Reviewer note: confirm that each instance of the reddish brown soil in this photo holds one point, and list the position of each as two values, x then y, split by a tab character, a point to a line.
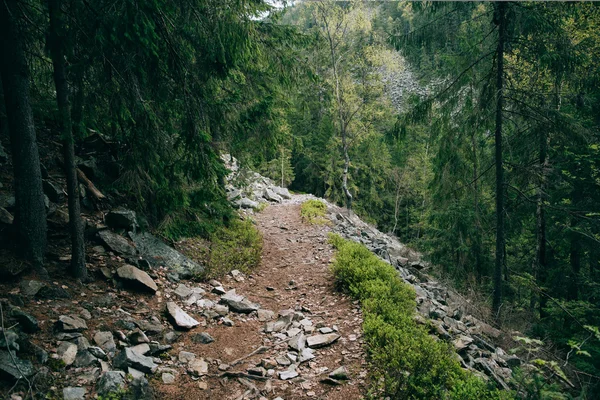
293	251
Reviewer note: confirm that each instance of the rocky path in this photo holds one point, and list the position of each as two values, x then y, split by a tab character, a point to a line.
295	283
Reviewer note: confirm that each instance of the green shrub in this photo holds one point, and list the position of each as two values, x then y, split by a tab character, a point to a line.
406	362
313	211
237	246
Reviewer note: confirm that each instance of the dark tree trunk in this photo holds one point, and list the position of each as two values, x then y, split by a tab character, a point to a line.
501	22
78	268
30	215
575	248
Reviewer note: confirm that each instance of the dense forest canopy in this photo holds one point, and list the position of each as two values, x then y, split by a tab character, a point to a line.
468	129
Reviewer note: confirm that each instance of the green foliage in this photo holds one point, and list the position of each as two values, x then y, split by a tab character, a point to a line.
118	395
406	362
313	212
237	246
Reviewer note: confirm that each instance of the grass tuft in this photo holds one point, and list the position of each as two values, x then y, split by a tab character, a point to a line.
313	212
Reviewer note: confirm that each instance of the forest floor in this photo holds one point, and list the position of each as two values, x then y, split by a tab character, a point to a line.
293	274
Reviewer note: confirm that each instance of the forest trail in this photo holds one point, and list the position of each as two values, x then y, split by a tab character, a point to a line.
293	274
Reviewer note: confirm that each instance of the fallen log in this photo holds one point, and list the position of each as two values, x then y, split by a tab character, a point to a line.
90	185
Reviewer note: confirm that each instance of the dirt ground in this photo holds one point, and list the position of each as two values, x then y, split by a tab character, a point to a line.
294	274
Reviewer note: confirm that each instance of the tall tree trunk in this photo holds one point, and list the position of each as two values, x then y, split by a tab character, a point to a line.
30	216
575	247
501	22
539	260
478	231
78	268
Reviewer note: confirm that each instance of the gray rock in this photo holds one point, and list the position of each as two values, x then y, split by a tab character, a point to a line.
183	291
198	367
110	382
203	338
121	218
67	352
238	303
306	354
138	277
298	342
462	342
283	361
54	193
340	373
9	340
71	323
271	195
85	359
141	390
6	217
129	358
226	321
246	203
105	341
98	353
186	357
137	337
141	349
74	393
7	365
288	374
317	341
30	288
116	243
283	192
157	349
168	378
179	317
135	373
265	315
221	309
52	292
158	253
150	328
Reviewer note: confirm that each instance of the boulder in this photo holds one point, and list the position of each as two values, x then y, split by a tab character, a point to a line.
110	382
179	317
340	373
246	203
6	217
203	338
271	195
141	390
22	367
138	277
106	342
27	321
74	393
283	192
117	243
158	253
67	352
121	218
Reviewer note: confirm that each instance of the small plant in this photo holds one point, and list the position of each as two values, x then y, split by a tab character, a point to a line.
261	207
313	212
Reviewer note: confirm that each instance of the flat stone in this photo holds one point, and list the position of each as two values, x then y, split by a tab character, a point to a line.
186	357
238	303
167	378
306	354
325	330
288	374
105	341
135	373
283	361
129	358
84	359
137	337
221	309
121	218
137	276
109	382
183	291
30	288
117	243
98	352
297	342
293	332
74	393
67	352
317	341
7	365
265	315
203	338
198	367
180	318
141	349
462	342
71	323
27	321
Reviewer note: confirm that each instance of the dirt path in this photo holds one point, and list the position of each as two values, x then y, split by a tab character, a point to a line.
294	274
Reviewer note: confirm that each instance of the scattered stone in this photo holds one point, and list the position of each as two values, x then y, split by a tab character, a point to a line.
226	321
137	337
141	349
30	288
128	358
462	342
135	373
140	278
221	309
288	374
141	389
203	338
105	341
257	371
158	253
325	330
238	303
265	315
158	349
71	323
340	373
283	361
198	367
84	359
246	203
306	354
180	318
27	321
22	367
317	341
168	378
121	218
74	393
98	352
116	243
183	291
297	342
109	382
67	352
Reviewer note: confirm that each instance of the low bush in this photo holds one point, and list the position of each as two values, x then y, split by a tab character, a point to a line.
237	246
406	362
313	211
